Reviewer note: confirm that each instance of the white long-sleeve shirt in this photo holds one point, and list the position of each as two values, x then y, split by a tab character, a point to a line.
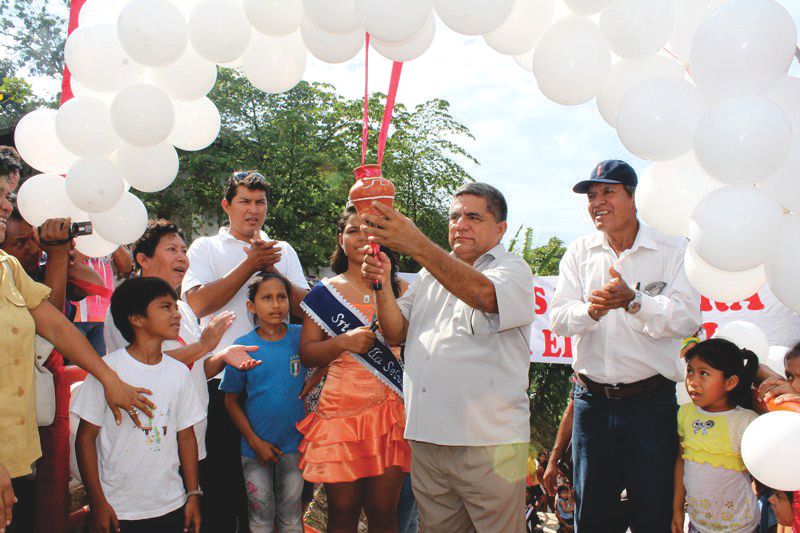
623	347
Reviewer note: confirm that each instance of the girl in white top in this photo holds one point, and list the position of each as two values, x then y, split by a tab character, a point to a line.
710	476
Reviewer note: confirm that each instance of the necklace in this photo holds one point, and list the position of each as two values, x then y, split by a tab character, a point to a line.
366	298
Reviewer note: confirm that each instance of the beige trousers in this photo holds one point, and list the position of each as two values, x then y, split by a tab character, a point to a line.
469	488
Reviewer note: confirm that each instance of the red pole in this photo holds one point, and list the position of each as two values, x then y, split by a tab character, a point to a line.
74	9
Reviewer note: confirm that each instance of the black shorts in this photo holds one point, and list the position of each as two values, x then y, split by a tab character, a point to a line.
534	491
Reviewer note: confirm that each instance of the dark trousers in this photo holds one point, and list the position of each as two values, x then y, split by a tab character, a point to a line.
624	444
24	510
224	505
168	523
93	331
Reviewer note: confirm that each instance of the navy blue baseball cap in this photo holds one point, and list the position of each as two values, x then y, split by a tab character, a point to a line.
611	171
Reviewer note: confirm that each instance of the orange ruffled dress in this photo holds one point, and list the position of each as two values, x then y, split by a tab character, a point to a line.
357	429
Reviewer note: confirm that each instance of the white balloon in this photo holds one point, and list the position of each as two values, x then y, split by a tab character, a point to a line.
720	285
782	267
775	359
94	184
148	169
275	64
657	118
636	29
786	94
668	192
80	90
185	6
124	223
523	28
94	246
197	124
743	139
330	47
689	14
335	16
274	17
83	126
626	73
410	49
474	17
743	47
766	443
571	62
586	7
95	57
43	196
153	32
100	12
784	185
745	335
219	30
142	115
189	78
736	227
393	21
525	60
38	144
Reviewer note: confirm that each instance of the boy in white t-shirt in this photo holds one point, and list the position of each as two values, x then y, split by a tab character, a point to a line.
131	475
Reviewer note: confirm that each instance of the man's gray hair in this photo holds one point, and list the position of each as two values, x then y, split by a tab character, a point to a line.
495	201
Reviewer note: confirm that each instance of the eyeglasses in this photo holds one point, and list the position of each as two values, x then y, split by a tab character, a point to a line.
239	176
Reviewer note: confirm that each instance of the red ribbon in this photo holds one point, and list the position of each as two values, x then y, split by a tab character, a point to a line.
74	9
391	96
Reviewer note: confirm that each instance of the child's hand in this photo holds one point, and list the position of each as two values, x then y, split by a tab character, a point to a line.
773	387
239	356
786	398
357	340
677	522
312	381
266	452
191	514
215	329
103	518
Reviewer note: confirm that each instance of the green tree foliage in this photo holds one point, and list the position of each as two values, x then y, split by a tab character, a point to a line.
549	383
306	142
33	32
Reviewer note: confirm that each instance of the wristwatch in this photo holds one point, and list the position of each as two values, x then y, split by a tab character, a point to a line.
197	492
635	304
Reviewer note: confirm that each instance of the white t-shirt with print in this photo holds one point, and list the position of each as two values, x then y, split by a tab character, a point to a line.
189	334
211	258
139	468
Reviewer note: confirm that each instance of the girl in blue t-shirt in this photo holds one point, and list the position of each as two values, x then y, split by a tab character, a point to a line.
265	405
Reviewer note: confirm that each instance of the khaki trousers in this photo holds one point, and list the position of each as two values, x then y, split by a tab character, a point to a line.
469	488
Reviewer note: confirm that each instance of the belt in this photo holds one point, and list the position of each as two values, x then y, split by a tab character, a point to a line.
625	390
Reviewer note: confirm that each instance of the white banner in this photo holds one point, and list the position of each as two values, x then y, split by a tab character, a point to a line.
781	324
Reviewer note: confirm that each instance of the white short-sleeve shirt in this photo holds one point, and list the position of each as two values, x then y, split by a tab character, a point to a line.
211	258
139	468
466	371
189	334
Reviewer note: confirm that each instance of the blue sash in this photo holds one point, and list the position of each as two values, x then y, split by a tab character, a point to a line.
335	316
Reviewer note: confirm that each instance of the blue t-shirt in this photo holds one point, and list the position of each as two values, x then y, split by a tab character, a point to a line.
272	405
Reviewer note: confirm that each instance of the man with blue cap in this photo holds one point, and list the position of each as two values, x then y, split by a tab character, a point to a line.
624	298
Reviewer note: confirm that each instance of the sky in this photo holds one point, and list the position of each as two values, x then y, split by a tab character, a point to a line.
530	148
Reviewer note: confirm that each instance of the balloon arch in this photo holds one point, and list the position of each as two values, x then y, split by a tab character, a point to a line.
700	87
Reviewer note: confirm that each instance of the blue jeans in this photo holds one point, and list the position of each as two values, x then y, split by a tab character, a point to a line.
274	491
624	444
407	514
93	331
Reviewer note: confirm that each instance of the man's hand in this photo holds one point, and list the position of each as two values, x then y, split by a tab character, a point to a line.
262	255
120	395
215	329
54	230
266	452
596	313
393	230
238	356
7	498
191	512
103	518
616	294
550	477
791	397
771	388
376	269
357	340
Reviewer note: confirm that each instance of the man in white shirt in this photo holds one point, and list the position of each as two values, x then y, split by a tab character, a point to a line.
220	268
466	324
623	296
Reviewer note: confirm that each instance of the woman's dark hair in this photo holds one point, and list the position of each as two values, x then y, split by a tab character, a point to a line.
339	259
725	356
132	298
148	242
261	277
793	352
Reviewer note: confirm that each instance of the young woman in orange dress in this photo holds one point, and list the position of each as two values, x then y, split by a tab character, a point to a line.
353	442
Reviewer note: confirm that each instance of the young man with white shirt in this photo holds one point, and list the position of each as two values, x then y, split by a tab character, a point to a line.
623	297
466	324
220	267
